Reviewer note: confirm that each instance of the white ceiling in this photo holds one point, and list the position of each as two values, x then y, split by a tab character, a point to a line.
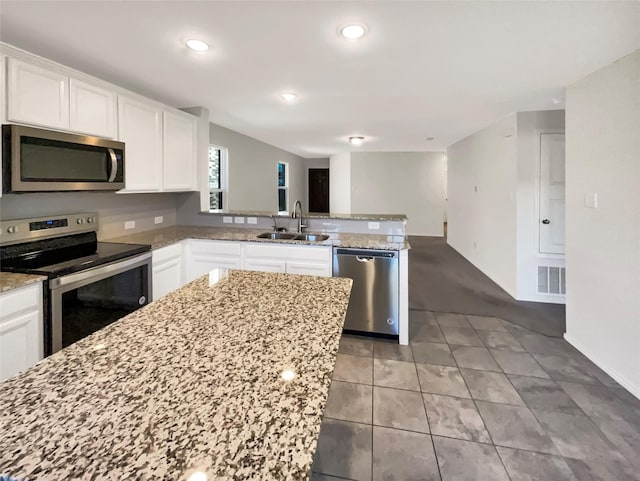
425	69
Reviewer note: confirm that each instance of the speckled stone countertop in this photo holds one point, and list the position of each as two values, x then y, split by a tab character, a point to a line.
168	235
190	383
13	280
313	215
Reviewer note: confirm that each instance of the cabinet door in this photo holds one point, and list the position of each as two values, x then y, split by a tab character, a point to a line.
21	339
36	95
92	109
167	277
179	151
140	128
264	265
322	269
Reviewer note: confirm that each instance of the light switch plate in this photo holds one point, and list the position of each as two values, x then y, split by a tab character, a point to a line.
158	220
227	220
591	200
252	220
130	224
374	225
239	220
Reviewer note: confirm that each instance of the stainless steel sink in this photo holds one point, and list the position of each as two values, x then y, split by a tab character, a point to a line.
276	235
311	237
291	236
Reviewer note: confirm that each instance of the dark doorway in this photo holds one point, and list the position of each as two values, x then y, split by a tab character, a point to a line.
319	190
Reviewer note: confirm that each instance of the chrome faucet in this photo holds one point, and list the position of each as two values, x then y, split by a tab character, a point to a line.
297	214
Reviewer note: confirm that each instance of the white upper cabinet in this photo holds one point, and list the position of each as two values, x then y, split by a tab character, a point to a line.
179	151
37	95
140	128
92	109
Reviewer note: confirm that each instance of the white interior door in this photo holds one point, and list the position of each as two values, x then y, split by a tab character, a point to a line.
552	204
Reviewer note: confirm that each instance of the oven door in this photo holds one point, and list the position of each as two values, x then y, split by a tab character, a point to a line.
86	301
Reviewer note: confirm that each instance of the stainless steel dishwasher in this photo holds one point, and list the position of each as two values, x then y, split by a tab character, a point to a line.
373	305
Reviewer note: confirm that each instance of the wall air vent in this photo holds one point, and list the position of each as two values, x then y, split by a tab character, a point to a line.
551	280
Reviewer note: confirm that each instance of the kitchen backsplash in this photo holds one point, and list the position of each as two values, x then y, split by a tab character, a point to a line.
113	209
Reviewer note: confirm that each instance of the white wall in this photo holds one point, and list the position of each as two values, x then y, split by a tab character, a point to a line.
481	211
603	244
408	183
529	127
253	177
253	174
340	184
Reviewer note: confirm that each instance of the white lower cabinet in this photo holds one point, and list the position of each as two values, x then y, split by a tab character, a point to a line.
21	337
167	270
180	263
202	256
292	259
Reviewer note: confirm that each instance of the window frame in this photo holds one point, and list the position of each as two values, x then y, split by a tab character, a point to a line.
224	176
284	188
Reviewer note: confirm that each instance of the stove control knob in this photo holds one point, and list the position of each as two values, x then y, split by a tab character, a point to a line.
12	229
80	221
91	220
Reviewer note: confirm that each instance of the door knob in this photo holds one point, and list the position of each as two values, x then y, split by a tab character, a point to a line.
546	221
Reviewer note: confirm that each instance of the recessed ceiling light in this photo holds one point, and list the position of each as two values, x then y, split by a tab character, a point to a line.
197	45
356	140
353	31
288	96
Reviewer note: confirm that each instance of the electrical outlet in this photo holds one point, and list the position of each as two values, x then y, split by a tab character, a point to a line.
227	220
158	220
130	224
374	225
239	220
252	220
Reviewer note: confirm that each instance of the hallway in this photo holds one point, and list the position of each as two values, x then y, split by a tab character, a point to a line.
441	280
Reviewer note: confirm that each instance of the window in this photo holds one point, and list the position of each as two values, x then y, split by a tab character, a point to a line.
217	177
283	184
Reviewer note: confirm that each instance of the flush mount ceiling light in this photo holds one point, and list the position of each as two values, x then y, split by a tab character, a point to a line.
197	45
356	140
288	96
353	31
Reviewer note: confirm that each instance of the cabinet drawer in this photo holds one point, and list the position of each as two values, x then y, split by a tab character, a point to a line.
197	246
288	252
167	253
21	299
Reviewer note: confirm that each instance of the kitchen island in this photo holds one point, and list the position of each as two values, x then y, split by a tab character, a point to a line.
217	380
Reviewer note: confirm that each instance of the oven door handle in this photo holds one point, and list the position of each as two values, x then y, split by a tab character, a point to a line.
98	273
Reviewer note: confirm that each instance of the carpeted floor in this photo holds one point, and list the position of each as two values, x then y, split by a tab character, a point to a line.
442	280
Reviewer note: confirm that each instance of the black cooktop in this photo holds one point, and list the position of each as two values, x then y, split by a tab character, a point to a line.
64	255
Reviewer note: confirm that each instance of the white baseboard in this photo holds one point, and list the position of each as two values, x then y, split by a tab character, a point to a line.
619	378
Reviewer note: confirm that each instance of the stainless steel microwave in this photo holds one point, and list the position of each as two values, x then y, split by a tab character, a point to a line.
38	160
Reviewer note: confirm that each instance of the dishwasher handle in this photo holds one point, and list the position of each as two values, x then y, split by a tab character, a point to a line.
365	259
365	254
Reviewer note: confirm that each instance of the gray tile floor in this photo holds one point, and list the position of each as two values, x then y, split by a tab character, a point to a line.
474	399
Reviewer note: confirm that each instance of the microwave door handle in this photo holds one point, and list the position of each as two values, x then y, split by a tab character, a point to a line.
114	165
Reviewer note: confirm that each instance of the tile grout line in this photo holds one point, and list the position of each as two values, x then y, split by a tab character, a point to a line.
426	413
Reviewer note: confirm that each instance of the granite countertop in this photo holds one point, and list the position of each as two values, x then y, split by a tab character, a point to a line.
12	280
314	215
190	383
165	236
